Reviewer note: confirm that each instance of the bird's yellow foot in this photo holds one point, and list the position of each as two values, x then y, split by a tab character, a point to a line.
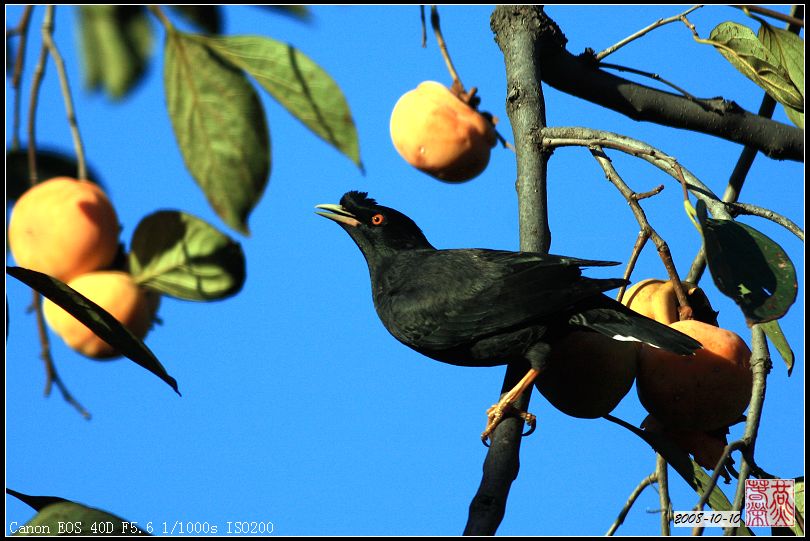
497	412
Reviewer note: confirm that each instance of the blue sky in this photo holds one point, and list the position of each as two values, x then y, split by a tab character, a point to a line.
298	407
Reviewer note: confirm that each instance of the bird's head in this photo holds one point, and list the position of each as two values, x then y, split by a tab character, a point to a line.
377	230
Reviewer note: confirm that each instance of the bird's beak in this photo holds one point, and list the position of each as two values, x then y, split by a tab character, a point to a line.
338	214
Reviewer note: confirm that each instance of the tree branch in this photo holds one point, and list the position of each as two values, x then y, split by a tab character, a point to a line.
586	137
662	473
580	76
515	29
647	481
760	366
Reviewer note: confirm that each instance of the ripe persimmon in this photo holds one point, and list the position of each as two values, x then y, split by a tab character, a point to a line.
657	300
704	391
588	374
118	294
63	227
441	135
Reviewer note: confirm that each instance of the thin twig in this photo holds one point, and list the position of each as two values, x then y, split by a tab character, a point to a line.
36	83
51	375
643	31
737	209
662	472
773	14
647	230
647	481
47	40
434	22
719	469
20	30
760	366
653	76
638	246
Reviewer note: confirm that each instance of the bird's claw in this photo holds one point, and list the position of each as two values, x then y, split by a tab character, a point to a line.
495	415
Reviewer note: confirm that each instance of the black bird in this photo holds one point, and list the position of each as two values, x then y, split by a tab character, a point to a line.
480	307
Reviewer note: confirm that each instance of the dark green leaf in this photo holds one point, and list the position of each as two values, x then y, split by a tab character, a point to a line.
116	42
774	333
37	503
220	126
50	164
740	46
301	13
298	83
58	516
205	18
95	318
749	267
183	256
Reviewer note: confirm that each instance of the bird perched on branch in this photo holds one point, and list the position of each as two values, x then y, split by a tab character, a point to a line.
480	307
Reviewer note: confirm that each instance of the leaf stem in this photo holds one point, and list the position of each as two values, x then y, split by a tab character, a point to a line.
164	20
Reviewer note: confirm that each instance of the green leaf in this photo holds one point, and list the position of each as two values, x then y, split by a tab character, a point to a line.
95	318
740	46
220	126
205	18
749	267
115	42
298	83
795	116
774	333
58	516
50	164
789	49
182	256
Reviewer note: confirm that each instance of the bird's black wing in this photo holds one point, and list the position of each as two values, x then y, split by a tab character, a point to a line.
447	298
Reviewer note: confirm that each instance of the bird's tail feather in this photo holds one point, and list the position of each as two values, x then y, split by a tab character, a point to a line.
615	320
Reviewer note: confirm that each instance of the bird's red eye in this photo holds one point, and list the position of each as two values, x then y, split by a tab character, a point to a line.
377	219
